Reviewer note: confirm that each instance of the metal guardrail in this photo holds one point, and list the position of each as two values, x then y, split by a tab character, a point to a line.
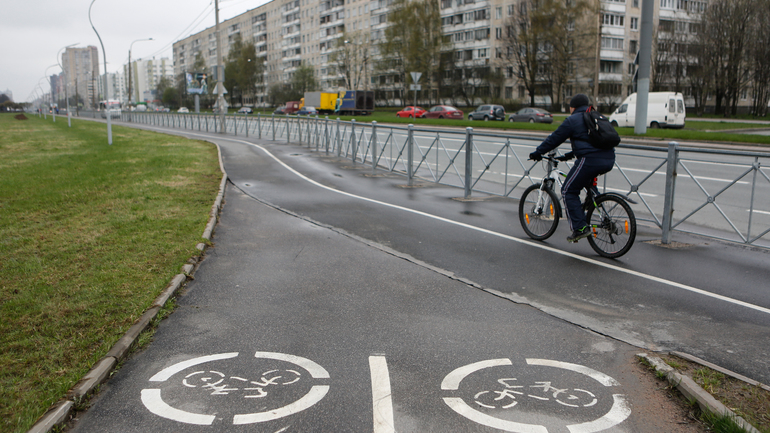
721	193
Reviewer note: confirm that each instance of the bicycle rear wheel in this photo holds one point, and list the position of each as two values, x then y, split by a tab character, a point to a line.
539	214
613	226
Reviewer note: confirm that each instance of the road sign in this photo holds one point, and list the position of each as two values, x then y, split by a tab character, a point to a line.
416	76
415	87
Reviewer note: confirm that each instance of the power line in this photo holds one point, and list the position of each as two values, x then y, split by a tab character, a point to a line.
203	15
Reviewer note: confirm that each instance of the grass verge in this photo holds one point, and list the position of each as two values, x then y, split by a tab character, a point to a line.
89	235
752	403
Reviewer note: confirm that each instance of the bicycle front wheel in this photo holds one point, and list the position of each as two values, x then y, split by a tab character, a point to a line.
613	226
539	212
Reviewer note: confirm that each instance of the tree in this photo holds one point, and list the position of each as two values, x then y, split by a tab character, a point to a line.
759	58
303	81
165	92
350	57
414	41
243	69
546	41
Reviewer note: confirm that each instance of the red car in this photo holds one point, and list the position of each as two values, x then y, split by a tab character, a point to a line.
444	112
409	112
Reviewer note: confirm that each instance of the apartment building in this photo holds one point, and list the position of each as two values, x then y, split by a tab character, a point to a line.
81	71
288	33
145	76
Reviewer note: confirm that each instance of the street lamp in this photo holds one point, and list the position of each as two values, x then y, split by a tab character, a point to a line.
50	86
106	94
66	85
129	66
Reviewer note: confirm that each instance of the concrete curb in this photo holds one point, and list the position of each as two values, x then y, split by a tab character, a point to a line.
693	391
61	412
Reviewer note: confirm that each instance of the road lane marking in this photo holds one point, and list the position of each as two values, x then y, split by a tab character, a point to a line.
382	398
508	237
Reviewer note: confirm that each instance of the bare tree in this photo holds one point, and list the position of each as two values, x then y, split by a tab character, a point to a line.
759	58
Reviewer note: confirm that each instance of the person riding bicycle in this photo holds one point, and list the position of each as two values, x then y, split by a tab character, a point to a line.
590	163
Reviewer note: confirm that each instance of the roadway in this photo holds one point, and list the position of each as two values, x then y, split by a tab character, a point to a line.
402	304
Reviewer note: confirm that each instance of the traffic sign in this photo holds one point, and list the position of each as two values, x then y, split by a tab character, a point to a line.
415	87
416	76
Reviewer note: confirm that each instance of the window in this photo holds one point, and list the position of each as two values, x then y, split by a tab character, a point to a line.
612	43
482	54
667	4
498	33
521	92
499	13
609	67
509	93
633	47
634	23
511	9
613	20
636	3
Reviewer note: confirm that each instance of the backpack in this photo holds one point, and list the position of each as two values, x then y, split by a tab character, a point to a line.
601	134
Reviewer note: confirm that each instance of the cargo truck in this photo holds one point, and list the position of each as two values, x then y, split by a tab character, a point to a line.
664	110
352	102
323	102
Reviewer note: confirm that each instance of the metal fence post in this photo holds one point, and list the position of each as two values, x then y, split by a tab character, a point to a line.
259	126
326	133
668	204
246	117
273	120
288	129
353	147
409	152
337	138
299	128
468	160
374	147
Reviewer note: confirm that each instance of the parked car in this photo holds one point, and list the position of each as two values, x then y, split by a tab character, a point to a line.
279	110
531	115
182	110
412	112
444	112
488	112
245	110
307	111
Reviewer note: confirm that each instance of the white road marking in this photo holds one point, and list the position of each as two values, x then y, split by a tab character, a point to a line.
314	369
313	396
590	372
167	372
618	413
511	238
462	408
382	399
685	176
759	211
452	380
155	404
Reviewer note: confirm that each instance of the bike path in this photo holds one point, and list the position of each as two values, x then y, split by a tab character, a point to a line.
291	325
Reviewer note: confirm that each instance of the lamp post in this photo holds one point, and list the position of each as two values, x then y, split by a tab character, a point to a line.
66	85
106	94
50	86
129	66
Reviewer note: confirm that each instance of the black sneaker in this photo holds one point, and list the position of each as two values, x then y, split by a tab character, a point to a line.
579	234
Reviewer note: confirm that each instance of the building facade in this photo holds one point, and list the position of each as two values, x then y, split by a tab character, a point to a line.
81	71
145	76
290	33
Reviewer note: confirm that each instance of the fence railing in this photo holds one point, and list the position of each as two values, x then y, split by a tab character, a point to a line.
721	194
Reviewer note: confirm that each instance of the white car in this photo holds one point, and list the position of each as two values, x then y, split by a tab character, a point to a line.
183	110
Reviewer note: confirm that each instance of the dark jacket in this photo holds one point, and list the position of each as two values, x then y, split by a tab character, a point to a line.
574	129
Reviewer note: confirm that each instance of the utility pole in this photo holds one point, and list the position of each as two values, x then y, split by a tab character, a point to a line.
220	73
645	60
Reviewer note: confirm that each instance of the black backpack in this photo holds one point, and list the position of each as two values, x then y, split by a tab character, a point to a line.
601	134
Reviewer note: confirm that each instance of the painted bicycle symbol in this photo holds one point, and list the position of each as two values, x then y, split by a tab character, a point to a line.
220	384
543	391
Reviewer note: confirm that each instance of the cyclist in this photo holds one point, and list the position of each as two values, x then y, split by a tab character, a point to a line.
590	163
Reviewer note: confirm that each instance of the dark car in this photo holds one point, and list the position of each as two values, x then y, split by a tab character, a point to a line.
488	112
245	110
444	112
279	110
531	115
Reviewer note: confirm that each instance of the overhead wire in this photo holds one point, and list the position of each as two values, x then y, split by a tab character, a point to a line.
203	15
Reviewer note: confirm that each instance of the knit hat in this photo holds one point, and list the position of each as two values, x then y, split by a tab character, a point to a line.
579	100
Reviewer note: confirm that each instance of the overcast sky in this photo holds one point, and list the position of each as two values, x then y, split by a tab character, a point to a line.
33	31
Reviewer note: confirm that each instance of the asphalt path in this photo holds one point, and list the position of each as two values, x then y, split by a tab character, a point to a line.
362	297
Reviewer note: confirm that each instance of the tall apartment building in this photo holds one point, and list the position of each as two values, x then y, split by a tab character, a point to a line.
288	33
81	70
145	76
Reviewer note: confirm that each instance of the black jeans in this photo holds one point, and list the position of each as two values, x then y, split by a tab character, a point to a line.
579	177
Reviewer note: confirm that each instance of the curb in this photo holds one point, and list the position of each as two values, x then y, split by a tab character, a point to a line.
61	411
693	391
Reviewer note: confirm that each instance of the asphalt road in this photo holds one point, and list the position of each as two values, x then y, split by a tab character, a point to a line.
334	300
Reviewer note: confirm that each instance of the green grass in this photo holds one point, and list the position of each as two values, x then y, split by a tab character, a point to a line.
89	236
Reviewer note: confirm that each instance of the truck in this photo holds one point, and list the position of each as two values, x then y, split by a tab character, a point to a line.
324	102
664	110
291	107
352	102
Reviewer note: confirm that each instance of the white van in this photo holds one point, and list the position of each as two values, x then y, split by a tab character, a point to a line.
664	110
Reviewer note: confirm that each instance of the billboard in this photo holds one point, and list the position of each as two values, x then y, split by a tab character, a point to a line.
197	83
